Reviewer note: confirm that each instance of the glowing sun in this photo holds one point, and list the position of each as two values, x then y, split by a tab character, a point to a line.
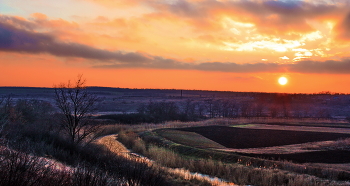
282	80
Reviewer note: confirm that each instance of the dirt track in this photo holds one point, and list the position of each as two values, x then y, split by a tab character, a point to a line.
115	146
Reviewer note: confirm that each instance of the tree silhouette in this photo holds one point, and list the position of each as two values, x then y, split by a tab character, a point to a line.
76	105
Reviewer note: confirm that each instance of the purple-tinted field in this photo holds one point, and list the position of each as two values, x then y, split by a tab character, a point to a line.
241	138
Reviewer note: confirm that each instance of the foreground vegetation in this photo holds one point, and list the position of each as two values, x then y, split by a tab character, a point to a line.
43	145
35	151
229	166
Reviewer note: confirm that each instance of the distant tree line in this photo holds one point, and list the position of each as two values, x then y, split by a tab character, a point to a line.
41	114
158	112
280	106
72	115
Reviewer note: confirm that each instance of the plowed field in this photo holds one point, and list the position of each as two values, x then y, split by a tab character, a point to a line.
241	138
244	138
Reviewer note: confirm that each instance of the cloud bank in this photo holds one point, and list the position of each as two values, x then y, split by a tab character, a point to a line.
19	40
22	36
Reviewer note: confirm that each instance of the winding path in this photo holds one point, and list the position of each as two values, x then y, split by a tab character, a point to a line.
115	146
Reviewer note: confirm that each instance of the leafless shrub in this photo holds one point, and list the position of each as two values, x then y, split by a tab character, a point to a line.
76	105
22	169
5	106
109	129
84	176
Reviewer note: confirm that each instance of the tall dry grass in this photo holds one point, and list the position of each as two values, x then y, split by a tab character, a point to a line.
116	128
236	173
178	176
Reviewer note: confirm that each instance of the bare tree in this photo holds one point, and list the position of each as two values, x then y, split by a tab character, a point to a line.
76	105
209	107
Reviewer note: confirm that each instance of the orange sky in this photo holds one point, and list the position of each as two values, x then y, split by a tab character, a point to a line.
229	45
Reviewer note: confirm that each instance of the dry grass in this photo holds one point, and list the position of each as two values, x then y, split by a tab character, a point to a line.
178	174
331	145
113	129
296	148
296	128
186	174
248	167
112	144
189	138
244	173
237	173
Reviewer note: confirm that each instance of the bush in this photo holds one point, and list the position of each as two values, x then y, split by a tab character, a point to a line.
92	162
21	169
134	118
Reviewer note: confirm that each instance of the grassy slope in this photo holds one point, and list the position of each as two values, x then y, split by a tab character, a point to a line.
188	138
179	176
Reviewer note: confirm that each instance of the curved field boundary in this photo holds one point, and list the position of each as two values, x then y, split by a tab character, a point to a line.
329	156
242	138
231	157
329	129
188	138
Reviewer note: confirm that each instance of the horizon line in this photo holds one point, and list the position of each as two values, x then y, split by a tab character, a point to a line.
319	93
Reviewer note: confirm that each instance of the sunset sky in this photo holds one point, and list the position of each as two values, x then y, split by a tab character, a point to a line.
229	45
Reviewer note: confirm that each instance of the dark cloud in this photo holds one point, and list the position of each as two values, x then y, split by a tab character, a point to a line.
20	40
18	22
327	67
5	38
343	28
295	9
268	16
162	63
185	8
234	67
278	17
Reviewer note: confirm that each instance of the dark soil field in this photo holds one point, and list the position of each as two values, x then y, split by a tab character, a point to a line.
241	138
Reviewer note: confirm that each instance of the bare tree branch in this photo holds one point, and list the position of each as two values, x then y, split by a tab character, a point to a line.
76	105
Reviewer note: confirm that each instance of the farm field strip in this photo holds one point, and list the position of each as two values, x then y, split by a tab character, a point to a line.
245	138
199	141
284	149
295	128
188	138
304	145
300	168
